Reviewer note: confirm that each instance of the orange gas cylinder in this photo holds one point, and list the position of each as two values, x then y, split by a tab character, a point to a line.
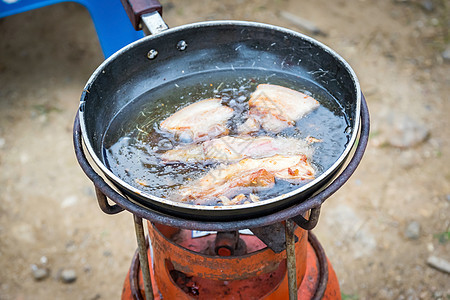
229	266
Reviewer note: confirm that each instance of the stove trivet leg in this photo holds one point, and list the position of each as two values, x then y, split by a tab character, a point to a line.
290	259
143	258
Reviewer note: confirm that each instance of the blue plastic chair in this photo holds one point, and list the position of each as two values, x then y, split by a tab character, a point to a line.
114	29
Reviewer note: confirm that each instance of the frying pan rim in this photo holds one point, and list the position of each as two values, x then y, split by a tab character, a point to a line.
192	207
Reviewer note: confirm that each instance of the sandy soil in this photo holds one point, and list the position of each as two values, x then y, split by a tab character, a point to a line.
48	208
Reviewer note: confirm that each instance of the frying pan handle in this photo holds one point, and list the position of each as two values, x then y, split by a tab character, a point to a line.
136	8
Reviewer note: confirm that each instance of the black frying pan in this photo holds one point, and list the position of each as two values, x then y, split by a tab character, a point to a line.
211	46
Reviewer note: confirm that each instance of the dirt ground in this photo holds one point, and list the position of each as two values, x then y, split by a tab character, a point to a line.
378	230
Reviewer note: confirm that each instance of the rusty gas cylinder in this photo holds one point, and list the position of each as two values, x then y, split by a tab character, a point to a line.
188	267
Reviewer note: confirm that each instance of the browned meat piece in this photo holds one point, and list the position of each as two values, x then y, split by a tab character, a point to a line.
275	108
200	121
246	176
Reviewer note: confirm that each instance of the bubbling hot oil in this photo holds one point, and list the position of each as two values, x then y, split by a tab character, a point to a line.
133	143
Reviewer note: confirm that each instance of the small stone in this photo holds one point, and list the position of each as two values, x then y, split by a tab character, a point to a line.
70	246
87	268
44	260
412	231
39	273
69	201
405	132
98	296
434	21
302	23
407	159
446	54
439	264
24	158
2	143
411	294
68	276
398	129
427	5
438	295
385	293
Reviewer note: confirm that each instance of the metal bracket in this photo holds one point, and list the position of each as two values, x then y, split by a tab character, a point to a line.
143	258
104	205
311	222
291	262
273	236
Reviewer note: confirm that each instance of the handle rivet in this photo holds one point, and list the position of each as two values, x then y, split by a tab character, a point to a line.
152	54
182	45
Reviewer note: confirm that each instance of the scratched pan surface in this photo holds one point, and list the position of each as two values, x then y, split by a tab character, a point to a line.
212	47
